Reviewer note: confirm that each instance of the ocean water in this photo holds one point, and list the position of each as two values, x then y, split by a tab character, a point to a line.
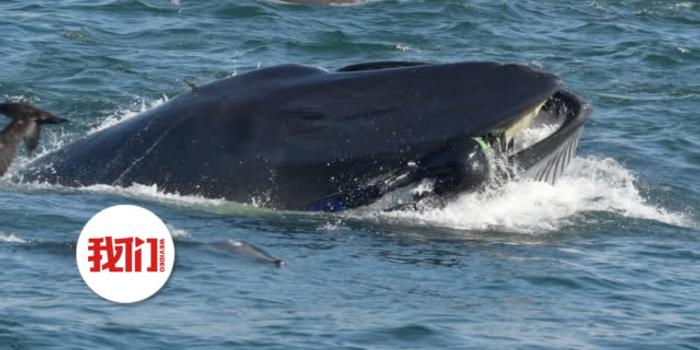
609	257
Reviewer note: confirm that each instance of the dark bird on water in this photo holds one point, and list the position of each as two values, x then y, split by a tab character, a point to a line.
25	125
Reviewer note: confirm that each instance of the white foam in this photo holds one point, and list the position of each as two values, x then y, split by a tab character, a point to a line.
598	6
524	206
402	47
520	206
179	233
686	5
152	193
5	238
333	225
149	193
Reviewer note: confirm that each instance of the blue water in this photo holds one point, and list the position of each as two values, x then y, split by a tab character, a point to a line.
609	257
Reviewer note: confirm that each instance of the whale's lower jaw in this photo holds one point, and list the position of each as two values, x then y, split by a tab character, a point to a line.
547	159
561	117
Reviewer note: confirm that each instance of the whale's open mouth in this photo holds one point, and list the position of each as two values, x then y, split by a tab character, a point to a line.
543	140
534	125
539	144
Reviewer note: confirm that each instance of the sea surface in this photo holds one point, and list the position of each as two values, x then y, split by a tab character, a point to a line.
609	257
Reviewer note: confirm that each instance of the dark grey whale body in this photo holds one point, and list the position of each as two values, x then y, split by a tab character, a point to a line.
301	138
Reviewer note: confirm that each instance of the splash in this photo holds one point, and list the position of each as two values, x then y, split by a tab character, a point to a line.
528	137
126	114
520	206
53	139
525	206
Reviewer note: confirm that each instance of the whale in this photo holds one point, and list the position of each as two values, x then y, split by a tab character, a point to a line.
294	137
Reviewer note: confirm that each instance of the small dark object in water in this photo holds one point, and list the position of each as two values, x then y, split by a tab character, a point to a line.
245	249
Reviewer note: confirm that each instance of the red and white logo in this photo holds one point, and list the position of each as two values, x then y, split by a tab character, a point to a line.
125	254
